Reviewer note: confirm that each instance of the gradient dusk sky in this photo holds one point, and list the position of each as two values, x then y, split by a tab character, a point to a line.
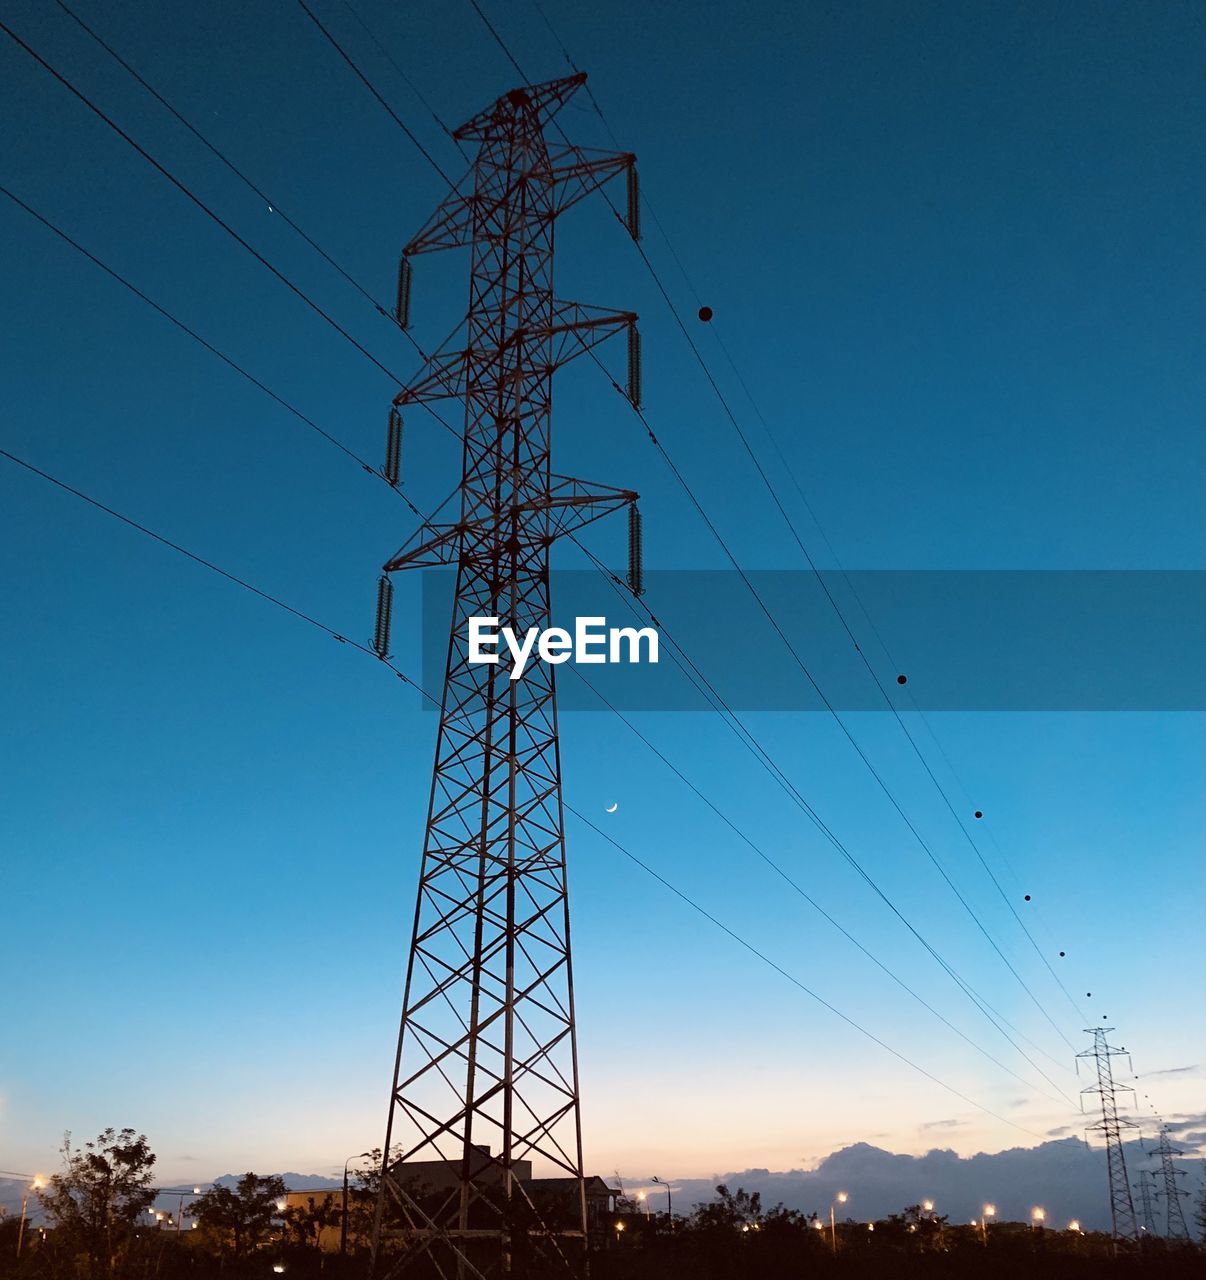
956	253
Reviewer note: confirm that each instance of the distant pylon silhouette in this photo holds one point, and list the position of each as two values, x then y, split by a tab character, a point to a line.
1111	1127
1171	1193
485	1083
1144	1188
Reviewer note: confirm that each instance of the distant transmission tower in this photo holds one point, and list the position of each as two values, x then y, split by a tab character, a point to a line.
1111	1126
1145	1200
1174	1214
486	1076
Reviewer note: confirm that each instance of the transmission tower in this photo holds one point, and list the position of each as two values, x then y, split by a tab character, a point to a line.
1174	1214
1145	1200
1111	1126
486	1076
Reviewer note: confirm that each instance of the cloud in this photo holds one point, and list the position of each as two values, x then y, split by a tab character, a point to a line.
1192	1069
1180	1126
1061	1132
943	1124
1067	1177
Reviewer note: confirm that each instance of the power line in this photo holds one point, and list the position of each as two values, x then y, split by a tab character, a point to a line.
205	208
401	675
223	158
779	505
272	205
197	559
763	757
366	467
406	80
196	200
745	578
397	119
803	893
229	361
770	616
736	937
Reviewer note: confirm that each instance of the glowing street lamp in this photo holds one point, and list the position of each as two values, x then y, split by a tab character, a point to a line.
642	1198
1074	1225
928	1206
989	1211
36	1185
840	1198
1037	1217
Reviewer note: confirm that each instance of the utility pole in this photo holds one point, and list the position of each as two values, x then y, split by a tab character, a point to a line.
1174	1213
1111	1127
485	1080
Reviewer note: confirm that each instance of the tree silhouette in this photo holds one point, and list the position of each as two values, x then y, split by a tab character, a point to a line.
237	1222
95	1203
306	1223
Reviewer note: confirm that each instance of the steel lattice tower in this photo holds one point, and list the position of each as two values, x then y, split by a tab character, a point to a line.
1111	1126
486	1076
1174	1213
1145	1200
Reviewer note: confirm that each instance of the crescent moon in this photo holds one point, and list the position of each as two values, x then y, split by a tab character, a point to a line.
611	808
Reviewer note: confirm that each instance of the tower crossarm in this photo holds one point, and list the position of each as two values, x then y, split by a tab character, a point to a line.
574	329
571	503
442	377
577	172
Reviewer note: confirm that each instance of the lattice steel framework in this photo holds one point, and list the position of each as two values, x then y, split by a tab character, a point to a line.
485	1082
1144	1187
1171	1193
1111	1126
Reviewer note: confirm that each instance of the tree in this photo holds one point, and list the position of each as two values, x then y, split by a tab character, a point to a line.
307	1222
238	1221
95	1203
730	1211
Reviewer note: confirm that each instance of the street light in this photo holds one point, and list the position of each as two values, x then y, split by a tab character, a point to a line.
1074	1225
644	1199
343	1225
1037	1217
180	1207
928	1206
36	1185
990	1211
840	1198
661	1182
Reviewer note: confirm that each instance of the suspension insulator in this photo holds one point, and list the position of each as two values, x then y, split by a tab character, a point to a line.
393	448
402	306
634	366
636	555
634	203
385	605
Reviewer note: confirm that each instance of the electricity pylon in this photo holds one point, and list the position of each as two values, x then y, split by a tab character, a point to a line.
1145	1200
486	1075
1174	1213
1111	1126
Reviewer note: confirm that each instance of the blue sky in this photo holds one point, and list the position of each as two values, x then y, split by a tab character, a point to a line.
956	253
